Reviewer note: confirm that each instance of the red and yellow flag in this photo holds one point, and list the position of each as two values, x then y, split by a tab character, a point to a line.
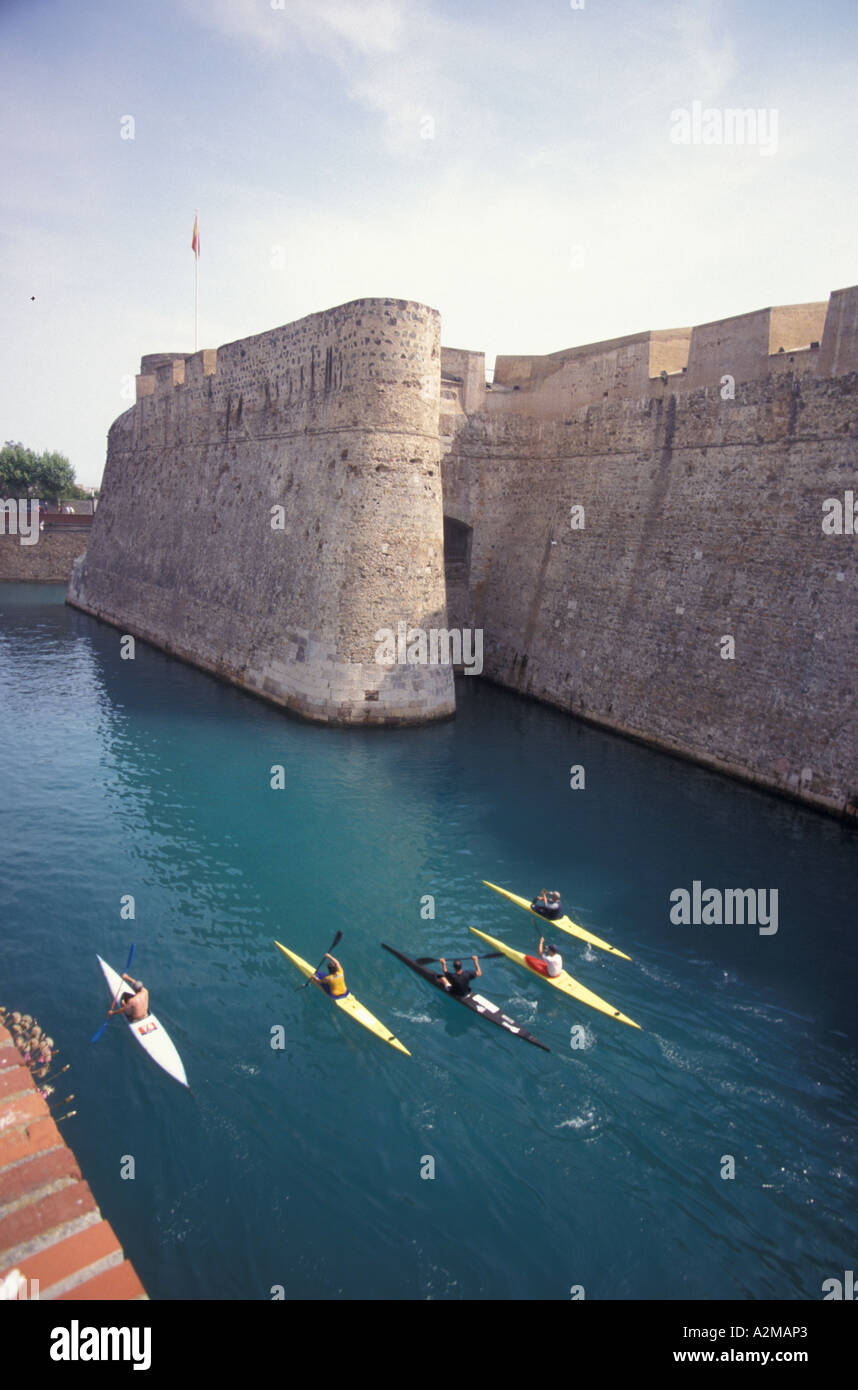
195	240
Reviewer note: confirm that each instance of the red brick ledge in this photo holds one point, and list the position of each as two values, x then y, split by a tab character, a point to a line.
50	1227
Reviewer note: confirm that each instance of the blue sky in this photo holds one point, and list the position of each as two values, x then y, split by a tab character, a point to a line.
509	164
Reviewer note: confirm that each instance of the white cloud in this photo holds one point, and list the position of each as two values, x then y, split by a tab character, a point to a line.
551	133
333	28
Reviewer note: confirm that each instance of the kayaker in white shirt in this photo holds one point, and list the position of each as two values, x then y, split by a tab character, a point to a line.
550	961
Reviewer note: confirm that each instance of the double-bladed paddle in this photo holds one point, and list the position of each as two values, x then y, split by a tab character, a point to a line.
430	960
335	941
95	1037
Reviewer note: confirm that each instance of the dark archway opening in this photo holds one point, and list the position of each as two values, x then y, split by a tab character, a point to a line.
457	551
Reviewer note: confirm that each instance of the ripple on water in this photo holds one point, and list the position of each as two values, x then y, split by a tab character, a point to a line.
587	1120
152	781
525	1010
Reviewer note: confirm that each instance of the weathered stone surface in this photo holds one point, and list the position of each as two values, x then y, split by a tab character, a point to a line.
49	560
703	518
701	457
334	419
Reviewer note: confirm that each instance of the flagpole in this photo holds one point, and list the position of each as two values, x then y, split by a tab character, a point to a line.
196	280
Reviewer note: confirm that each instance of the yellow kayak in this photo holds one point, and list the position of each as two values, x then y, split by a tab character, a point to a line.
348	1004
562	923
565	983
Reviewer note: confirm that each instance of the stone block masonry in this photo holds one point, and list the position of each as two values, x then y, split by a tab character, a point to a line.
333	420
50	560
702	518
701	459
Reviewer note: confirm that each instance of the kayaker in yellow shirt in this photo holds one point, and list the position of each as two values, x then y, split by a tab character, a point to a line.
334	982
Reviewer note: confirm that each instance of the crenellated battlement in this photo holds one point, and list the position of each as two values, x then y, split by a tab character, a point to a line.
342	359
160	371
819	338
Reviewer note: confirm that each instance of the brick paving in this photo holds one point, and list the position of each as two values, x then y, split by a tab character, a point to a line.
51	1229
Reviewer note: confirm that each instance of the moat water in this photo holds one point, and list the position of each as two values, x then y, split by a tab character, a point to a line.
300	1168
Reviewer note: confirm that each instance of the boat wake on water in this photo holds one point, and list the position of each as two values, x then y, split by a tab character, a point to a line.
579	1122
472	1000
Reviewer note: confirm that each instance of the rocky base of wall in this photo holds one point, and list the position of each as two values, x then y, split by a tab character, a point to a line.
787	783
308	680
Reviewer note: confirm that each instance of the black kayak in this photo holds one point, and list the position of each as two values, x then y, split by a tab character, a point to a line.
477	1003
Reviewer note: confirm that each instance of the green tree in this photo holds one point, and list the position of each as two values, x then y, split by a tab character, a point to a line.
16	467
24	473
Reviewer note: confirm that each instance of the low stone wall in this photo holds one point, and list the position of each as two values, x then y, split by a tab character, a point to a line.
48	561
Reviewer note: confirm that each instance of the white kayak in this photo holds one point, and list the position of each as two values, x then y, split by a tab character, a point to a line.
150	1034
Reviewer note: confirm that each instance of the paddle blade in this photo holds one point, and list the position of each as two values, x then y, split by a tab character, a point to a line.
337	939
95	1037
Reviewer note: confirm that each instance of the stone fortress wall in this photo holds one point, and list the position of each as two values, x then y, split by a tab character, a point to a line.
703	509
701	459
334	419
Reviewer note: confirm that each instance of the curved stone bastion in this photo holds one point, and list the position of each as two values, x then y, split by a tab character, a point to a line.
270	507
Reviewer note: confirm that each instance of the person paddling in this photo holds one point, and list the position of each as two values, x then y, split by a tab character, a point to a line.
550	961
457	980
548	905
333	981
136	1006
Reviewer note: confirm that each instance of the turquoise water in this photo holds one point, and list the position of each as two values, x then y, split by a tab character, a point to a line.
598	1166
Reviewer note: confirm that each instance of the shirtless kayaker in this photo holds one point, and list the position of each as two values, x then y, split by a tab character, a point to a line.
135	1007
